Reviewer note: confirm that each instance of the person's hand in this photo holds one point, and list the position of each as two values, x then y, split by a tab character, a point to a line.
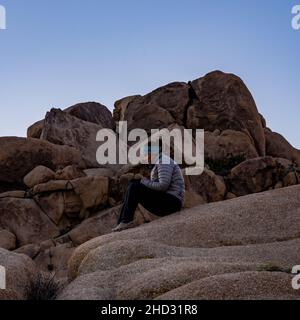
138	176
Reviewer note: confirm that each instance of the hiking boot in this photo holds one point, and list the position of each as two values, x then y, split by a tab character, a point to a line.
123	226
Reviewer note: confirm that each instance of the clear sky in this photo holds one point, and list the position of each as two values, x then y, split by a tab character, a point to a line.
56	53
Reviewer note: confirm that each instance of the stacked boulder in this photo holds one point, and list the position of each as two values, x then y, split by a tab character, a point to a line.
242	155
55	196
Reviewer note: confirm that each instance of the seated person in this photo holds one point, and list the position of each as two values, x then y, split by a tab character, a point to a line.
162	194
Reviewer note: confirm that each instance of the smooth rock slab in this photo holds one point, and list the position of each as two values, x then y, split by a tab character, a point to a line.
260	218
243	285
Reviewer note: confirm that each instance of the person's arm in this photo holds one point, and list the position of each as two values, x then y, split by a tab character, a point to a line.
165	172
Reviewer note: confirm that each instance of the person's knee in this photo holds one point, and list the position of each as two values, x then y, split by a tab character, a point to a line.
134	186
134	183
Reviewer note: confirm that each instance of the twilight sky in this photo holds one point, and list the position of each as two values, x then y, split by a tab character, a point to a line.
56	53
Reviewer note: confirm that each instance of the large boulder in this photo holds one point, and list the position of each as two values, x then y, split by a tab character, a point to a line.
35	130
136	269
156	110
277	146
20	271
103	222
90	111
72	199
100	224
256	235
192	199
290	179
63	129
227	226
215	101
18	156
227	144
208	185
251	285
69	173
62	207
54	258
8	240
92	191
38	175
52	186
25	219
222	101
256	175
121	107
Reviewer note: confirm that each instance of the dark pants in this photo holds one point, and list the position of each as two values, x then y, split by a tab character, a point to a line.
157	202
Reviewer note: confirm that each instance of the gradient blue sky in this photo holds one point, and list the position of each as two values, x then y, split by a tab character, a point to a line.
60	52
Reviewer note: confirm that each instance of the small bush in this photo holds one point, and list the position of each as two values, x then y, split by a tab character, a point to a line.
43	287
270	267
